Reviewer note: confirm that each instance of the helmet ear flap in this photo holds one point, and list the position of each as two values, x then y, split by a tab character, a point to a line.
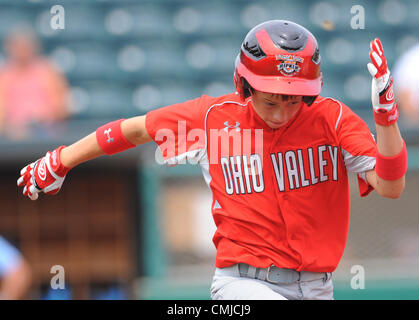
310	99
242	86
239	85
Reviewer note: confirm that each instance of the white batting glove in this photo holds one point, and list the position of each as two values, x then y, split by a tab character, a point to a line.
382	95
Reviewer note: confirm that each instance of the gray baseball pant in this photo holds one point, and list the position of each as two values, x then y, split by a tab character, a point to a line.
228	284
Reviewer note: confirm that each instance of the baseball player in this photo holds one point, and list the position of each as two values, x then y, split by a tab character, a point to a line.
276	156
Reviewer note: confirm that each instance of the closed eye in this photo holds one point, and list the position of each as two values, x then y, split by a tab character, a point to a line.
293	103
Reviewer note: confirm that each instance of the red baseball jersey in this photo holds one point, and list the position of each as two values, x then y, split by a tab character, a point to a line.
280	196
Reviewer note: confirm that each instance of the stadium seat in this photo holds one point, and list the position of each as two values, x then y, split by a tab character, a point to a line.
93	60
106	100
10	17
85	22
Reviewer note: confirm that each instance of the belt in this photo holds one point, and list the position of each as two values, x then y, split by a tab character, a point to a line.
276	275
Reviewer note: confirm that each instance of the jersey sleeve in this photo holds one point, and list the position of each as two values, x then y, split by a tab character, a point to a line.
179	131
358	146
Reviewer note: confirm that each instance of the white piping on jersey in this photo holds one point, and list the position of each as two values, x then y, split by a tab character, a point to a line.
205	164
205	168
217	105
207	177
203	160
340	112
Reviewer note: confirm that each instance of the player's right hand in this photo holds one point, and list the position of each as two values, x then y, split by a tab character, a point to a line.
382	96
46	174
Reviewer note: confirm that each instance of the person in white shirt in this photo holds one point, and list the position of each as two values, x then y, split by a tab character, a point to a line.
406	74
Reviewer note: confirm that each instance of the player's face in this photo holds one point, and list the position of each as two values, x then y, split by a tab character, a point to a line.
274	109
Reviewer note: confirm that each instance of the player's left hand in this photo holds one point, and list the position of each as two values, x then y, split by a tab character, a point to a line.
382	96
46	174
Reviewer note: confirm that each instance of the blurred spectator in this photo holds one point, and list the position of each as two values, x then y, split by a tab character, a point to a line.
15	273
407	86
33	94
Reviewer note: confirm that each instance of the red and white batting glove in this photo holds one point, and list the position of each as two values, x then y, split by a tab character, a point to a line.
382	96
46	174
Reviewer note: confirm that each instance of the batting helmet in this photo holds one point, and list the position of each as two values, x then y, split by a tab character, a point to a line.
279	57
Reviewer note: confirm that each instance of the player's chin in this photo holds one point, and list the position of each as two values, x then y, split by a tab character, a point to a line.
274	124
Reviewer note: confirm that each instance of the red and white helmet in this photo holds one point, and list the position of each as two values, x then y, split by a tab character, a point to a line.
281	57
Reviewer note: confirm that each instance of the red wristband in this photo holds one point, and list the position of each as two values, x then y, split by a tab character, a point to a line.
391	168
111	139
387	118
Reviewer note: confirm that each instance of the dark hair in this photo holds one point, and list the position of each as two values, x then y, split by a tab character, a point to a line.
285	97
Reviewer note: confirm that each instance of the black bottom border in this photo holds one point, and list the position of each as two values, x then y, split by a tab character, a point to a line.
195	309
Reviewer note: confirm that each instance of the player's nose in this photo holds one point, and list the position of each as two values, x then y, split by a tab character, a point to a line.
278	115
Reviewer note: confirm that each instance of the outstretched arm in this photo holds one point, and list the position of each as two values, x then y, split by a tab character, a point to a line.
388	177
88	148
48	173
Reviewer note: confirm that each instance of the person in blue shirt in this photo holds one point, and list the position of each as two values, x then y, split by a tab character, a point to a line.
15	272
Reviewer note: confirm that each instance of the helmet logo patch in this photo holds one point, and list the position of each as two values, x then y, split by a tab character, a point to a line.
289	64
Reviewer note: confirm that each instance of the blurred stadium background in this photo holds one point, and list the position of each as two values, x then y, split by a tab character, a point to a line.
125	227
